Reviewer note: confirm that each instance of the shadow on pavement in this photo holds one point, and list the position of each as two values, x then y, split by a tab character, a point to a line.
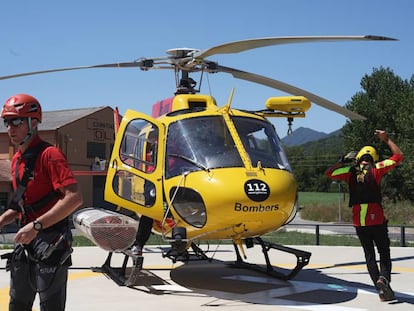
310	286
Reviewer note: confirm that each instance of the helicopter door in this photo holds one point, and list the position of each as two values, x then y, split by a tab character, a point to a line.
134	179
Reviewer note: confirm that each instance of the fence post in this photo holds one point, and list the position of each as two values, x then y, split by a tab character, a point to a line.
317	234
402	236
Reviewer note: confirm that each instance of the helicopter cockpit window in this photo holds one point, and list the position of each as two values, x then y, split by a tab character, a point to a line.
138	150
138	147
201	143
261	143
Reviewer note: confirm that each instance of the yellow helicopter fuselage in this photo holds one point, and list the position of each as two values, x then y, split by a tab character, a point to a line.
231	214
220	173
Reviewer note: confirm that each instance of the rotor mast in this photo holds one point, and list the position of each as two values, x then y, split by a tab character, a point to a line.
185	85
184	63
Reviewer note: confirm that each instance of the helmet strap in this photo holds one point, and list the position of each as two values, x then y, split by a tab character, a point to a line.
30	131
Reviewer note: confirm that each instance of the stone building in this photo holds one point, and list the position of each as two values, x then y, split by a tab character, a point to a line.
86	137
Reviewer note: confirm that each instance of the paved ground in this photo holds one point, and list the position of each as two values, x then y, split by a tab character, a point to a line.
335	279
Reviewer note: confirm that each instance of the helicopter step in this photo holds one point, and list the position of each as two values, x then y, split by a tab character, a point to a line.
302	259
178	252
124	275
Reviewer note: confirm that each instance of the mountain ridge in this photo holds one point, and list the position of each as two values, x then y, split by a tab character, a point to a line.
304	135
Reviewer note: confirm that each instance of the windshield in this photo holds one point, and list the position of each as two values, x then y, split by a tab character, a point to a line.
261	142
205	143
200	144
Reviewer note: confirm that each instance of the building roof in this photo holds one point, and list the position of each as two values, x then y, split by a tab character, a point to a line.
53	120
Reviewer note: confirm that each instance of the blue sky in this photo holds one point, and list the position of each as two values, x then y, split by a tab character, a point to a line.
37	35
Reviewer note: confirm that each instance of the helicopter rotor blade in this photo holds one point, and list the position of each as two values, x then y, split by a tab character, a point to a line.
244	45
177	60
191	60
141	63
290	89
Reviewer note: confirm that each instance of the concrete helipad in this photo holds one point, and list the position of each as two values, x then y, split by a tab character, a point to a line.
335	279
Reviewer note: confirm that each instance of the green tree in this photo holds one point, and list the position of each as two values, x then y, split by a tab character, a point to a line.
309	162
296	156
388	103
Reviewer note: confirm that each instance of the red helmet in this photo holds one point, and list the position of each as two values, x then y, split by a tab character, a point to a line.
22	105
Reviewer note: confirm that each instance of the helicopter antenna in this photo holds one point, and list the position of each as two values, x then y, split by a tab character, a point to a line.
230	98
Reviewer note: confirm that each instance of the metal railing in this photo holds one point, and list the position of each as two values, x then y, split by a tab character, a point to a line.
401	233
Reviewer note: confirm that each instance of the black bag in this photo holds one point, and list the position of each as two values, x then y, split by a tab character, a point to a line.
51	247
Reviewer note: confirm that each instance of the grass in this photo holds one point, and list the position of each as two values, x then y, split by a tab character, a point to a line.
325	198
300	238
79	240
326	207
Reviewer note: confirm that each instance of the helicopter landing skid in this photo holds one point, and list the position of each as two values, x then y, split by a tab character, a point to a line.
302	259
123	276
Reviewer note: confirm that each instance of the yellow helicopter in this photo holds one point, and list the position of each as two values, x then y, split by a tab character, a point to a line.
204	171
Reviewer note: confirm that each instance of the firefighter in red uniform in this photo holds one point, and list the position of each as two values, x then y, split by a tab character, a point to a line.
45	194
364	180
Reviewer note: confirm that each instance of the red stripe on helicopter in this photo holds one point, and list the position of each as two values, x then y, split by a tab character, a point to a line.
162	107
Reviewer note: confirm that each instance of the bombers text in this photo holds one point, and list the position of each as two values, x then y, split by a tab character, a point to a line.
238	207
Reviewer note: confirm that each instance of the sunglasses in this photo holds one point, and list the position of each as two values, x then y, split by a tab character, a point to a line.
14	122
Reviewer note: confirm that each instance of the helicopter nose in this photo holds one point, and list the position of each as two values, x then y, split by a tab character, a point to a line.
274	203
265	201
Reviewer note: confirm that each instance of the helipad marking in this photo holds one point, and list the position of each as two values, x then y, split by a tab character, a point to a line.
4	298
80	275
171	287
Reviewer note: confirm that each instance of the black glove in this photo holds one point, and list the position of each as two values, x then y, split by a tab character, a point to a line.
348	158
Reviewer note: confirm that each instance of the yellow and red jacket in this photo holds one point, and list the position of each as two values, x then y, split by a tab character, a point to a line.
365	189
